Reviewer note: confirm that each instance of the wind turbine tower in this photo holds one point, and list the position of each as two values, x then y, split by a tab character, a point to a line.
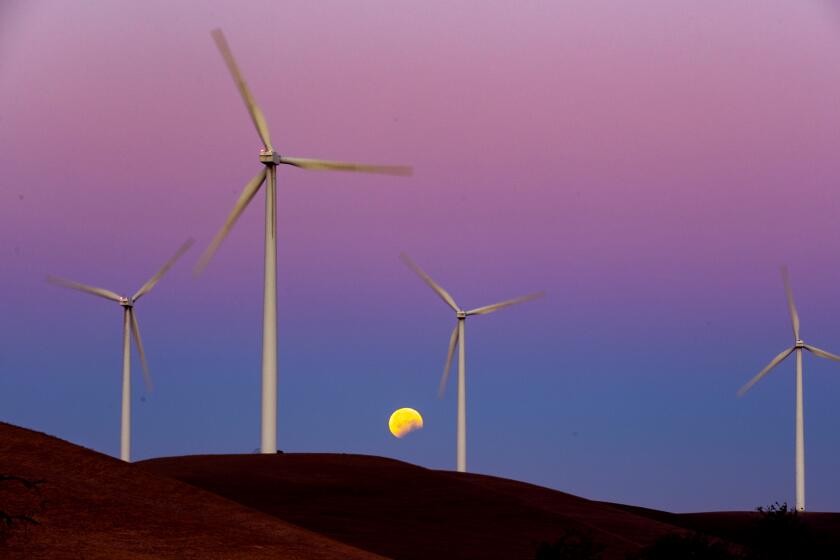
130	329
798	346
270	159
458	339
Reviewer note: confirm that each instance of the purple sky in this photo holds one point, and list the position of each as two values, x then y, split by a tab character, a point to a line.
649	165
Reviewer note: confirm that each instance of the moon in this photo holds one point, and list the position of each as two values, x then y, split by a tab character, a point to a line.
403	421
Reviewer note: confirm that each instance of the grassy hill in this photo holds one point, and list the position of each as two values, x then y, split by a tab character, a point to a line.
404	511
92	506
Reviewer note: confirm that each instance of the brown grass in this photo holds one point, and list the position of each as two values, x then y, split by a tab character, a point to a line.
408	512
99	507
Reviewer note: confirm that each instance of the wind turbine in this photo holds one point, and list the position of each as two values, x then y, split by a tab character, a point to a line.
129	325
270	160
458	338
798	346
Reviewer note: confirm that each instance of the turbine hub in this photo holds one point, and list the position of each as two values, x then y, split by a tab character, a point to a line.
799	343
269	157
461	314
126	302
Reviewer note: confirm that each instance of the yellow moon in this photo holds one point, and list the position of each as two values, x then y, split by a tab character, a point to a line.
403	421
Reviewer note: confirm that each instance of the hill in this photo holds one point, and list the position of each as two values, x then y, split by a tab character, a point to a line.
822	528
408	512
319	506
92	506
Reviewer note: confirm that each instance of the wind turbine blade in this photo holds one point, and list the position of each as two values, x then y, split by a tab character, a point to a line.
444	295
794	316
247	194
453	340
250	104
822	353
135	331
146	288
496	306
101	292
325	165
776	361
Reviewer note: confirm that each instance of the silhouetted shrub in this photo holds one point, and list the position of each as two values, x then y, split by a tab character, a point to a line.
778	533
686	547
781	532
570	546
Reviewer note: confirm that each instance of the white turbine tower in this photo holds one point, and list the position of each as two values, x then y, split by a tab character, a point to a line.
270	160
129	326
458	338
798	346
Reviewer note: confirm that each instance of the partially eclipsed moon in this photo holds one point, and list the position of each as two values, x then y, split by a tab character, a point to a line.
403	421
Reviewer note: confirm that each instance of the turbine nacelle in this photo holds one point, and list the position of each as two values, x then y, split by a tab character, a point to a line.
461	314
270	157
799	343
126	302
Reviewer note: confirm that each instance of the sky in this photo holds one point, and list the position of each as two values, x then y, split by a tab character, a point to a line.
650	165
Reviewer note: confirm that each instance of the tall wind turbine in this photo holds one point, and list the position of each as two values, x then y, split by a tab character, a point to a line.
798	346
458	338
129	326
270	160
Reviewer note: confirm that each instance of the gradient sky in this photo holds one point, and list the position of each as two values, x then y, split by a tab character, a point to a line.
648	164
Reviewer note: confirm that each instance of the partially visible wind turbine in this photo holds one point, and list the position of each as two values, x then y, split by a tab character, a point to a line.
270	160
129	326
458	338
798	346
